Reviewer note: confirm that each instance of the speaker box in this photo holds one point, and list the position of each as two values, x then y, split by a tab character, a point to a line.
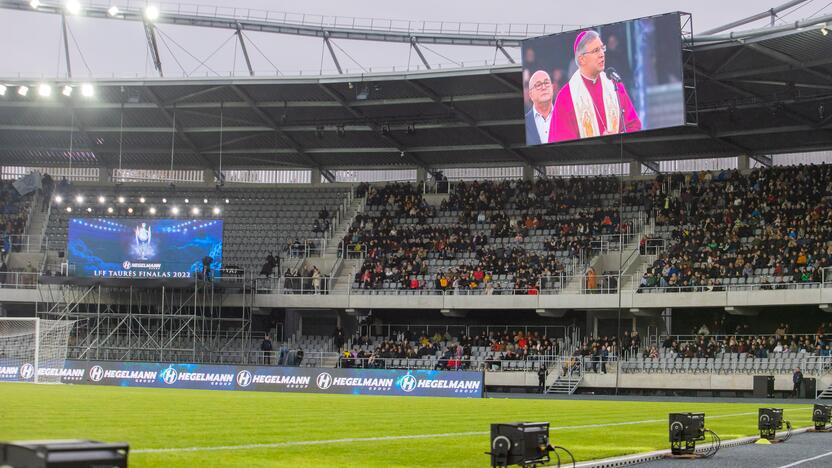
763	386
63	454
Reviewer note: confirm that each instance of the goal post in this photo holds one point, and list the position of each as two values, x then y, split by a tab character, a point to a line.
29	344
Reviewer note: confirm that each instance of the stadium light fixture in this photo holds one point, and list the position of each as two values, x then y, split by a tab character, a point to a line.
824	31
216	211
89	210
59	199
3	90
152	210
101	199
35	4
226	201
69	209
113	11
205	200
44	90
151	13
187	201
23	90
141	200
79	199
67	91
87	90
164	200
130	210
73	7
195	211
174	210
110	209
121	199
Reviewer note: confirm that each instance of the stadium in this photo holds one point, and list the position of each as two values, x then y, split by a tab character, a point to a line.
603	242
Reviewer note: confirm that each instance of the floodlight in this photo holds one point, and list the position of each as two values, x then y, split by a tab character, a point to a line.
67	91
195	211
187	201
141	199
151	12
824	31
110	209
216	210
2	90
73	7
113	11
69	209
44	90
87	90
164	200
152	210
226	201
34	4
685	429
59	199
205	200
174	210
79	199
129	210
23	90
121	199
101	199
821	415
769	421
89	210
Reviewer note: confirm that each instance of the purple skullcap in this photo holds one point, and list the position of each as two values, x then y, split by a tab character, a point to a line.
578	41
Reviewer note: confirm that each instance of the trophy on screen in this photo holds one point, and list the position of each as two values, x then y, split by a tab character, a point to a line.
143	237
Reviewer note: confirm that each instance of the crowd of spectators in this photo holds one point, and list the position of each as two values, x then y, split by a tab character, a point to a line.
452	352
768	227
13	211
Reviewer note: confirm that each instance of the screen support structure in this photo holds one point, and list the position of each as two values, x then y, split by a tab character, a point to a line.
689	70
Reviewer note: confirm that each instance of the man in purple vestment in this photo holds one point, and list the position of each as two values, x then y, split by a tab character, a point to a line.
591	104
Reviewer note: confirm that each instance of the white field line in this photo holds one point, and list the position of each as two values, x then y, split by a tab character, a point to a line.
800	462
300	443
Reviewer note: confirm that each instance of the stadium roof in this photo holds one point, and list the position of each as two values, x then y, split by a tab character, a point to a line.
759	93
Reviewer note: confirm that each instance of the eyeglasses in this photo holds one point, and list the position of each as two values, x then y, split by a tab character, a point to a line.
596	50
541	84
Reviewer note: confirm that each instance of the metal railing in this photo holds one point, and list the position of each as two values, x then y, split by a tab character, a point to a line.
25	243
295	285
377	332
308	248
731	363
19	280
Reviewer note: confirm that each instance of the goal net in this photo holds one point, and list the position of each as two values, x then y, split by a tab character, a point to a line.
30	346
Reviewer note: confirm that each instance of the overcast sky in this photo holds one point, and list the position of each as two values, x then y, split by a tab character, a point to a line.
32	47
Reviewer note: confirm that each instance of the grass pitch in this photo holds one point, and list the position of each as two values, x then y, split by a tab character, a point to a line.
216	428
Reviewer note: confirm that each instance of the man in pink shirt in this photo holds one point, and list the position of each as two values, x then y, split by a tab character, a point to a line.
591	104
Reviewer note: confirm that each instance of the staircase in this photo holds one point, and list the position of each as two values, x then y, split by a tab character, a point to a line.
355	207
37	225
826	393
344	277
566	384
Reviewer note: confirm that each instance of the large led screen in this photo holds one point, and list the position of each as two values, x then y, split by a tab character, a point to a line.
617	78
143	248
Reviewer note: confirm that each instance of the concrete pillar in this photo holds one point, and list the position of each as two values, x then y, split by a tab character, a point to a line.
421	175
743	162
635	168
528	172
316	176
105	176
667	316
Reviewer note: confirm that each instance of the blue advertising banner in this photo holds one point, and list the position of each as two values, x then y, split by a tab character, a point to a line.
270	379
143	248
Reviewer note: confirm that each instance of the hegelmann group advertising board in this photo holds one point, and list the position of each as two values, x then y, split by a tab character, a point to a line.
266	379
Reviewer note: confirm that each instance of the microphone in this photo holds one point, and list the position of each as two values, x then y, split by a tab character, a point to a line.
613	75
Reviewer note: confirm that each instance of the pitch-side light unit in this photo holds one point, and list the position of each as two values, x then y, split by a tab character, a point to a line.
113	11
151	12
87	90
44	90
23	90
73	7
2	90
67	91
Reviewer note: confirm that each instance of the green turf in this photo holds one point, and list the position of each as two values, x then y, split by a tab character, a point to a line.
164	418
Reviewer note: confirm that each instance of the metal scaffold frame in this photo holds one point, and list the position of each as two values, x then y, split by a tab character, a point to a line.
187	323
